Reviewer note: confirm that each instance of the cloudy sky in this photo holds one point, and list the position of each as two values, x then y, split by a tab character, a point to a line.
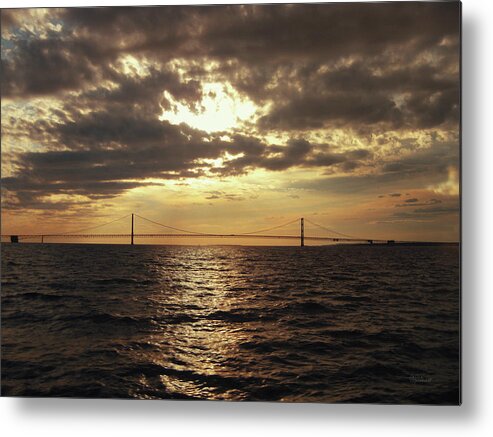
233	118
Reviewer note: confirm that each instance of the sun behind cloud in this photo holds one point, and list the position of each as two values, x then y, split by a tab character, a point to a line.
221	108
228	114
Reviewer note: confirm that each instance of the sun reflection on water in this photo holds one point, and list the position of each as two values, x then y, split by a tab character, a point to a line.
202	348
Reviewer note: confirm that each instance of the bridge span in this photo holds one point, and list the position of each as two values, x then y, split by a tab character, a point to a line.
336	237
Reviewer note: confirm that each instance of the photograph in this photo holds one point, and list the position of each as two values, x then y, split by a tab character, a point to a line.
237	202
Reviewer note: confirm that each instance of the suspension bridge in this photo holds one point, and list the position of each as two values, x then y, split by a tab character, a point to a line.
328	235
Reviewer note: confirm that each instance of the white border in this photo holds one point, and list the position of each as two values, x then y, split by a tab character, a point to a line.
55	417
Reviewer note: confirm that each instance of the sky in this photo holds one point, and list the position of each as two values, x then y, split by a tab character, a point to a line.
233	118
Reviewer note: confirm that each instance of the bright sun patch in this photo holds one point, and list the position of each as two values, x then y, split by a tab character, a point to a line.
220	109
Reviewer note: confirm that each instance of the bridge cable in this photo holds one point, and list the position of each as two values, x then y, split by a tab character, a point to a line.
330	230
95	227
269	229
206	234
74	232
171	227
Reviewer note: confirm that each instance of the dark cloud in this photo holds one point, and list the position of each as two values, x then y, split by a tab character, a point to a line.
339	108
433	109
427	161
293	154
47	66
216	195
437	210
414	203
110	152
256	43
415	96
377	66
423	168
427	213
31	193
260	32
144	94
296	153
175	156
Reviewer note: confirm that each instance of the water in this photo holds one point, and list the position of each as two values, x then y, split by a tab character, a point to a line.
313	324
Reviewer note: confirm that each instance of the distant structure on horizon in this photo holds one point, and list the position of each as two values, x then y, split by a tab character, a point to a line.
341	238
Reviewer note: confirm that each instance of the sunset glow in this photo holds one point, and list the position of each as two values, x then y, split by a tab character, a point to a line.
213	127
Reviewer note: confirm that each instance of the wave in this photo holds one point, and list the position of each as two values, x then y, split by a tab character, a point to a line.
231	323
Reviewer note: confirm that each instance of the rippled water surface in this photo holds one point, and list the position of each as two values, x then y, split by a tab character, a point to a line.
314	324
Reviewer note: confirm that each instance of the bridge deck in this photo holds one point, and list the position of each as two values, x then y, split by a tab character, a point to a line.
170	235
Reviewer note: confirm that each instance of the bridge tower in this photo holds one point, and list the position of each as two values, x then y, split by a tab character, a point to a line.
132	235
302	231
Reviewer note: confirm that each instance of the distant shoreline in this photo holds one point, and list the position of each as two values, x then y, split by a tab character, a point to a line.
407	244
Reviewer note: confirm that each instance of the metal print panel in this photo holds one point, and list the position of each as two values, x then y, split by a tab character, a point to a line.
243	202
